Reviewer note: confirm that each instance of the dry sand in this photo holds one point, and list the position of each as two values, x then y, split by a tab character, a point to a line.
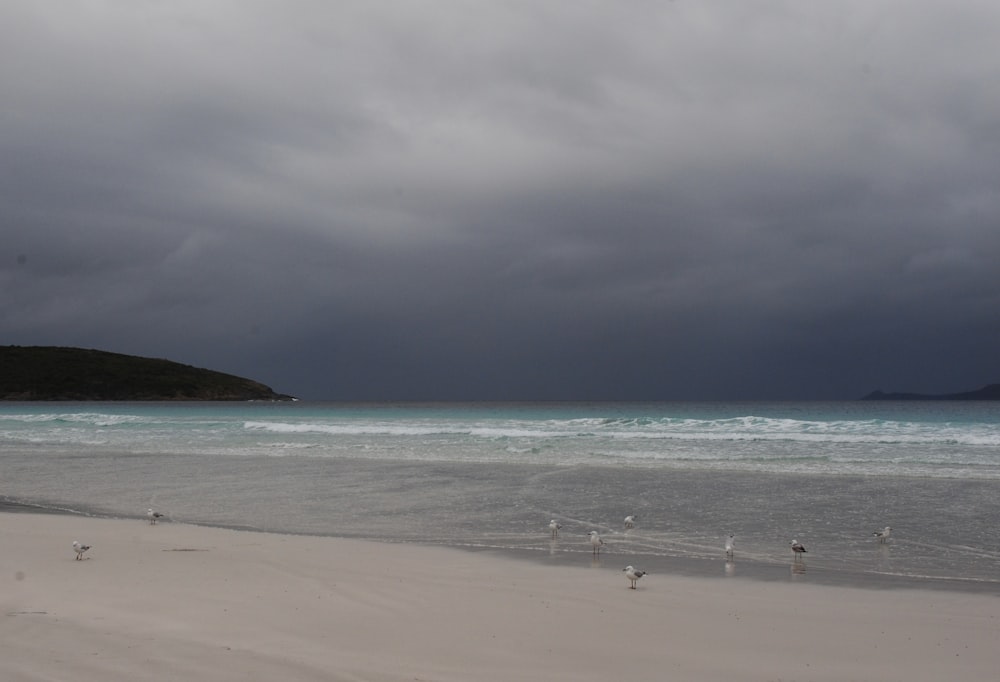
179	602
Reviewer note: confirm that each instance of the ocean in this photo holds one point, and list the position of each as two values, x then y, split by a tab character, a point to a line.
489	477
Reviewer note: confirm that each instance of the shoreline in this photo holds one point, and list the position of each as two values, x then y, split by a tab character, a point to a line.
810	570
176	601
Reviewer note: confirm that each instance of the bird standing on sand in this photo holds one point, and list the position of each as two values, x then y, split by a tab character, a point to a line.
79	549
554	526
798	549
730	545
633	575
630	520
596	542
154	516
883	534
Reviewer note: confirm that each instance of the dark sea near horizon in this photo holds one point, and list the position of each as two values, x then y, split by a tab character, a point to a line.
489	477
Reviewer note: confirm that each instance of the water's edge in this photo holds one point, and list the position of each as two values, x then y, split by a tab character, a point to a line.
564	554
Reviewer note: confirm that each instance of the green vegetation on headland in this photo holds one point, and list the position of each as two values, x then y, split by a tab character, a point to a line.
55	373
990	392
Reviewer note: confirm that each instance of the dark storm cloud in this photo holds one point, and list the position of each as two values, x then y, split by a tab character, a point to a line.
509	200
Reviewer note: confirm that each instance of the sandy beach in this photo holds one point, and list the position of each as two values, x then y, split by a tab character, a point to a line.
174	601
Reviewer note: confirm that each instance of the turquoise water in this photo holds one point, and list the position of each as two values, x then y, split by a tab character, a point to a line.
924	439
490	476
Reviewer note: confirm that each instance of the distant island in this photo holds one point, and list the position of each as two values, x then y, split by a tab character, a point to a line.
990	392
56	373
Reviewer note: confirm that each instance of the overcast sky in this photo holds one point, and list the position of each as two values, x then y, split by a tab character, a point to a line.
465	199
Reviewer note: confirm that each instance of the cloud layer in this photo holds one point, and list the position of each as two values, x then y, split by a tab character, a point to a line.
516	200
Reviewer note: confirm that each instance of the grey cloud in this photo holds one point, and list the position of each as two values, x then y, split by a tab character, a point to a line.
560	200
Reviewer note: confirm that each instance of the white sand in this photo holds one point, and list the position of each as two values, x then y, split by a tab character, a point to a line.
178	602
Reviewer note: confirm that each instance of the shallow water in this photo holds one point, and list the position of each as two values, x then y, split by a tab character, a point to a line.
489	477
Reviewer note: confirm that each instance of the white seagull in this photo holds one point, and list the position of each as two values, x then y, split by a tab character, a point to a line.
633	575
797	549
79	549
596	541
554	526
883	534
154	516
730	545
630	520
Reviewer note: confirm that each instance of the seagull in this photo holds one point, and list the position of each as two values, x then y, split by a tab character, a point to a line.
79	549
797	549
633	575
554	526
596	541
883	534
730	545
630	520
154	516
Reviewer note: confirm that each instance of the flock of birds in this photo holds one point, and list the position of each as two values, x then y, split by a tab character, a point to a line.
596	542
633	574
